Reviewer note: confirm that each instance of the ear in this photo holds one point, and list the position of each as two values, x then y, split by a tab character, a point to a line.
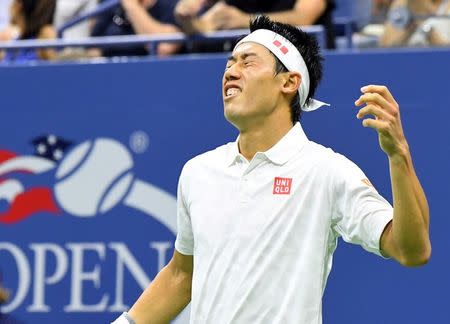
291	83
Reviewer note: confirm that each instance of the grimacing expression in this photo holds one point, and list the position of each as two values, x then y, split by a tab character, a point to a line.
250	88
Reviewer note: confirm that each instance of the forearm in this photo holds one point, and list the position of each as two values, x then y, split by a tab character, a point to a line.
143	23
47	32
293	17
399	36
410	225
305	12
194	25
164	298
186	13
436	39
393	37
223	16
406	238
202	25
47	54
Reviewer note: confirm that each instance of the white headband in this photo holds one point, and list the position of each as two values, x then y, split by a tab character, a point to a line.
286	52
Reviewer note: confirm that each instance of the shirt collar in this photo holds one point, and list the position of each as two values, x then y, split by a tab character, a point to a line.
233	154
292	142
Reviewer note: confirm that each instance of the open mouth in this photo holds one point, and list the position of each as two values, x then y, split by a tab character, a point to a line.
232	92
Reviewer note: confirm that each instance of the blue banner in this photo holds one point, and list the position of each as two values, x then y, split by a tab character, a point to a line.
90	156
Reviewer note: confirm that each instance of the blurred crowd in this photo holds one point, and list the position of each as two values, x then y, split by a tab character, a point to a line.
386	23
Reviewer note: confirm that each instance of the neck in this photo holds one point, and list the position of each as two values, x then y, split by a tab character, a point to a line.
261	137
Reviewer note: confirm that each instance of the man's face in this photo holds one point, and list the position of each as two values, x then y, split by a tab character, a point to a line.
250	88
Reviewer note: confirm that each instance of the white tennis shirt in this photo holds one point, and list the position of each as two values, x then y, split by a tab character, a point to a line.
263	232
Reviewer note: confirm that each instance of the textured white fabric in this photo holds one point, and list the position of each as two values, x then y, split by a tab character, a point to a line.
262	255
288	54
4	13
66	10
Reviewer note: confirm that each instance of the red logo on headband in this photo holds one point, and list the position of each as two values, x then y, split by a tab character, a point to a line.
282	48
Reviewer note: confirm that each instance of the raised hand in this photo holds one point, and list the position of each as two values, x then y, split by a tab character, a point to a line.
380	104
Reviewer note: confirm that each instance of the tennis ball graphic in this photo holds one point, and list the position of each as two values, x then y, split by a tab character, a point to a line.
93	177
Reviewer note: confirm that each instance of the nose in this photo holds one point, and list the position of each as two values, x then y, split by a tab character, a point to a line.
232	73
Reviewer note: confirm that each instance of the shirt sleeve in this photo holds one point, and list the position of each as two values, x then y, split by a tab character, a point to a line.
360	213
184	242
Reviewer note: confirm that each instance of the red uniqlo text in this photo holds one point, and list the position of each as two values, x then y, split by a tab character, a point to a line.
282	186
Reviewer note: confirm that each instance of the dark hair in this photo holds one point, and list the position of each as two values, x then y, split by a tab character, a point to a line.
37	14
307	46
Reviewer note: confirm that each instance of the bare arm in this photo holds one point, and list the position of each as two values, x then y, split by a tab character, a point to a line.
436	39
186	12
305	12
223	16
394	36
144	23
406	238
7	34
47	32
168	294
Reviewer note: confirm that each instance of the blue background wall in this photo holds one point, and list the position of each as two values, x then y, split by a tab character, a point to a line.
177	103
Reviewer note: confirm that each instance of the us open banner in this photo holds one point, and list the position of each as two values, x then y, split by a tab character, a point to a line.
94	180
89	162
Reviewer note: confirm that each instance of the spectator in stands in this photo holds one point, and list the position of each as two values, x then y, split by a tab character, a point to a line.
379	10
202	15
138	17
30	19
66	10
411	23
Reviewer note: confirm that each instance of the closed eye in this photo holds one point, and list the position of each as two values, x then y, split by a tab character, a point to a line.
229	64
245	58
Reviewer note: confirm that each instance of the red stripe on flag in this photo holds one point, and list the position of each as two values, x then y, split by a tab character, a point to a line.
28	203
6	155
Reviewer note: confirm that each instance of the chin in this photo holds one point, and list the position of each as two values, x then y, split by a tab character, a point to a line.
237	117
229	114
232	114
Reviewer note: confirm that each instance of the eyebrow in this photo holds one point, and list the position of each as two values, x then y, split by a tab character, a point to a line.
243	56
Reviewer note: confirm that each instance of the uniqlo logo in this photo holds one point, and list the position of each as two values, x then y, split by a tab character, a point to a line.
282	48
282	186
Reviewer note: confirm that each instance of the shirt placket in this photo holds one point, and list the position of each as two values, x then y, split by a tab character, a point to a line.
245	181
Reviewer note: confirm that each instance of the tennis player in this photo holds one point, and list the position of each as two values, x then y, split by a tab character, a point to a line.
259	218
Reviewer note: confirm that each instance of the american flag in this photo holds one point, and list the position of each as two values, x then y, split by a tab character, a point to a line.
19	199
